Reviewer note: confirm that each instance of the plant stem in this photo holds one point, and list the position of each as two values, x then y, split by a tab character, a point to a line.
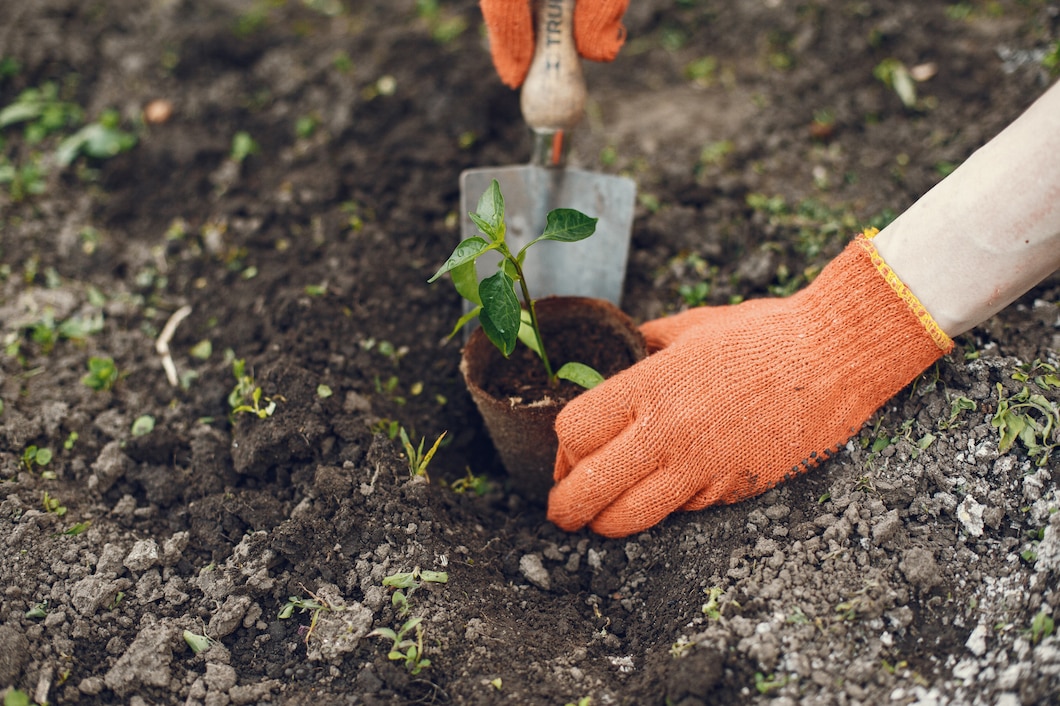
533	319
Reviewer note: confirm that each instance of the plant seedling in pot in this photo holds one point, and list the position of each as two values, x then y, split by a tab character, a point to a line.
494	299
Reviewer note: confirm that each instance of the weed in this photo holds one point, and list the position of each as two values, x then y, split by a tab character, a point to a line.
406	648
681	647
418	460
894	74
38	611
98	140
1042	626
1051	61
496	304
36	456
324	391
767	683
197	643
479	485
412	579
712	608
315	606
52	505
102	374
246	397
443	29
957	405
16	697
1028	417
144	424
77	528
243	146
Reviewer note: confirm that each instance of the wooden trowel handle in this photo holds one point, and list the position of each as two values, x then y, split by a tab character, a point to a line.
553	97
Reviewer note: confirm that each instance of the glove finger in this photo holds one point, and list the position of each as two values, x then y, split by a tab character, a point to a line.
593	419
511	38
660	333
647	503
595	481
598	29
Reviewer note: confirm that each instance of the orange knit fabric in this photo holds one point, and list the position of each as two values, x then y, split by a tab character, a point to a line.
598	33
740	398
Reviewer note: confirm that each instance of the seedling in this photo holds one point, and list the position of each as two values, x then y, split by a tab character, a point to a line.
39	610
142	425
496	304
1042	626
197	643
405	648
767	683
411	579
1030	418
313	605
418	460
246	397
52	505
34	456
712	608
479	485
102	373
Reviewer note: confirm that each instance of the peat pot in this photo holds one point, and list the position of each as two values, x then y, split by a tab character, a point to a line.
513	396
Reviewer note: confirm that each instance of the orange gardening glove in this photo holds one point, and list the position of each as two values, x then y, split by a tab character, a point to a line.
598	33
740	398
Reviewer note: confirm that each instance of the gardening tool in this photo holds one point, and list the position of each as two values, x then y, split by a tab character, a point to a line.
552	102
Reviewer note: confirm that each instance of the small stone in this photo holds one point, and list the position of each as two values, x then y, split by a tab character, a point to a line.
143	556
534	571
970	514
976	642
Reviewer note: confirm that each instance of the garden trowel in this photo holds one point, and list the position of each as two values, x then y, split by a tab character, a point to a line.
552	102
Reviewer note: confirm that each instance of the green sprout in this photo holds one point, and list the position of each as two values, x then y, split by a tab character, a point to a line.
144	424
496	304
765	684
246	397
197	643
52	505
36	456
243	145
102	374
406	648
1029	418
1042	626
479	485
418	460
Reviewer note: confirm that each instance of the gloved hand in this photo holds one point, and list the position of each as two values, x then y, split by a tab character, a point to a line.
598	33
740	398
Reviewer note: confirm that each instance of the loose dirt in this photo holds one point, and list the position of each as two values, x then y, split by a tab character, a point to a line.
917	566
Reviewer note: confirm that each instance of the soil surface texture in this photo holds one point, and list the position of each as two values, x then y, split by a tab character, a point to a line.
217	222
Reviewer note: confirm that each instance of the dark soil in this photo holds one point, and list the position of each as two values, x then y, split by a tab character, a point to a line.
918	566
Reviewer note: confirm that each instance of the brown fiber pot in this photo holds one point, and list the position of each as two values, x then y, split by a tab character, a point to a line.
513	396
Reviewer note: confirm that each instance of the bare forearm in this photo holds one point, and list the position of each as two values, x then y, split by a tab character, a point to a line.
988	232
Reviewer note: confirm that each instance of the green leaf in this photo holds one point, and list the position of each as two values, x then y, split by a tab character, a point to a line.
434	576
465	252
526	332
580	374
401	579
143	425
568	226
500	311
465	279
462	321
565	225
384	632
20	112
490	212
